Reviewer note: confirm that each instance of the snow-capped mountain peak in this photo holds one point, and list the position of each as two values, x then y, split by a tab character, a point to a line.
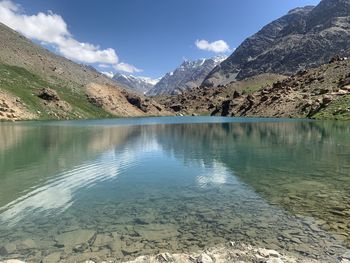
188	75
139	84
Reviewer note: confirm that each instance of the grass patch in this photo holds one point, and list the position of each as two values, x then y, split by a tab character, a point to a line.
257	83
337	110
252	89
26	85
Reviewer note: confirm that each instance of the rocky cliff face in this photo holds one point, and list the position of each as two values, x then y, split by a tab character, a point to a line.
138	84
190	74
304	38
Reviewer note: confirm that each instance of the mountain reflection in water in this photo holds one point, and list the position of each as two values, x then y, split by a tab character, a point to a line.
209	180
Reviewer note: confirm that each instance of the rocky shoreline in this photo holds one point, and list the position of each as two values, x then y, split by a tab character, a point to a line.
231	252
318	93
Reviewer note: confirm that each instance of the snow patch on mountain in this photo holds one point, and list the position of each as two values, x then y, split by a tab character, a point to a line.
188	75
136	83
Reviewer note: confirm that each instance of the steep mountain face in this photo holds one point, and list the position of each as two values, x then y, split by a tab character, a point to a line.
138	84
38	84
190	74
304	38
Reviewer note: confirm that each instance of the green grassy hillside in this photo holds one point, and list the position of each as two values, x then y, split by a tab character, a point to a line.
26	85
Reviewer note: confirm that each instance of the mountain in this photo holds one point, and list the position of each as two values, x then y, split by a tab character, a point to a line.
38	84
304	38
319	93
190	74
139	84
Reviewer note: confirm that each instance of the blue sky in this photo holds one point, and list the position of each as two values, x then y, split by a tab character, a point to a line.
150	37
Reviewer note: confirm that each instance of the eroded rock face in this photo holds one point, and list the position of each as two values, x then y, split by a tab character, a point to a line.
304	38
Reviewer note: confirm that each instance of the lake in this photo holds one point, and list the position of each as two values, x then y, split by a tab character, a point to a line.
128	187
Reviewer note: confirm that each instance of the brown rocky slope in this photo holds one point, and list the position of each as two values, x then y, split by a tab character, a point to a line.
321	93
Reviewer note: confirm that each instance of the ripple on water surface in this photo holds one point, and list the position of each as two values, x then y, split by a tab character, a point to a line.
123	191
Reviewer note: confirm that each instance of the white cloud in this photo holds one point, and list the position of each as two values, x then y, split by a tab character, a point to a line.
50	28
108	74
218	174
126	68
103	66
219	46
86	52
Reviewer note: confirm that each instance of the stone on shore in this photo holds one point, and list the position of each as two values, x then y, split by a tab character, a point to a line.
12	261
268	253
274	260
204	258
346	255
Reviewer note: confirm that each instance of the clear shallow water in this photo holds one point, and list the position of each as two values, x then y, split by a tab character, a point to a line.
123	188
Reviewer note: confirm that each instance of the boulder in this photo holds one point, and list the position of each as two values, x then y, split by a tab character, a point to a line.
137	102
326	100
323	91
264	98
225	107
204	258
176	107
344	82
236	94
48	94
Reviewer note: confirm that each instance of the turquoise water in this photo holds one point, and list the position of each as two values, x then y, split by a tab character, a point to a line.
117	189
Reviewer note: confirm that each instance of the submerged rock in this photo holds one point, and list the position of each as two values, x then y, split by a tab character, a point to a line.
52	258
26	244
74	238
7	249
